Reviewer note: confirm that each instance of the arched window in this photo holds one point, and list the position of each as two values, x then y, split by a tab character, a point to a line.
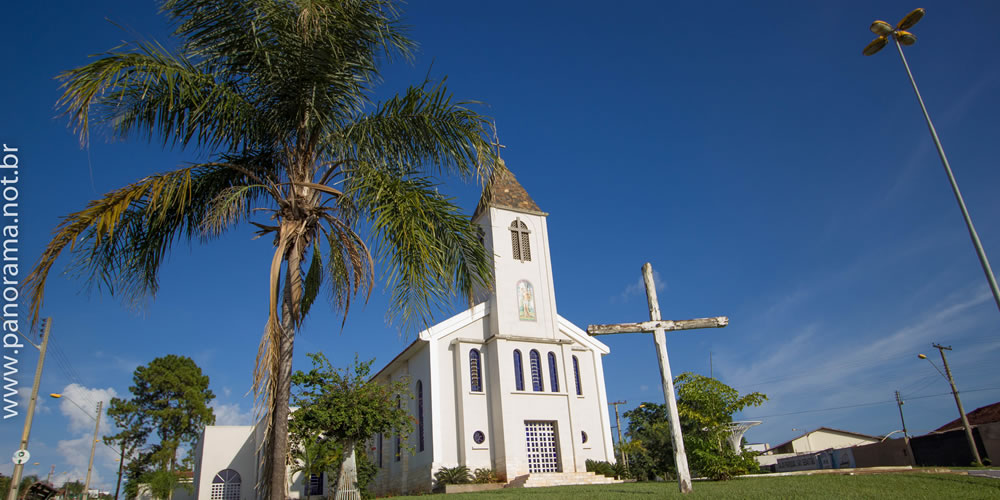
519	240
576	375
553	374
518	371
475	371
420	416
399	404
536	371
226	485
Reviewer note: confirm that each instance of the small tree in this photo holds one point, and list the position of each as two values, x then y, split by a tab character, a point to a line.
73	489
133	429
345	406
705	405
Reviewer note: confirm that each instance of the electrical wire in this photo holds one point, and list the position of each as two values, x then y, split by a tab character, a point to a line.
860	405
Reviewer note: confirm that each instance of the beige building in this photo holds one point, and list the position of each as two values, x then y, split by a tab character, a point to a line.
813	441
507	384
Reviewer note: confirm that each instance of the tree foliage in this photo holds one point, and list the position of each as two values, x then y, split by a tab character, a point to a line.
170	402
705	406
276	96
342	407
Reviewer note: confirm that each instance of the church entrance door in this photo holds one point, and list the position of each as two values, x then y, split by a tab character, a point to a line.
542	446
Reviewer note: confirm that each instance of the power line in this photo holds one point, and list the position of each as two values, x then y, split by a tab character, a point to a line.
860	405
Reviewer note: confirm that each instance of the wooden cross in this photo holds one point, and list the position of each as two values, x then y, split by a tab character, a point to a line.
658	327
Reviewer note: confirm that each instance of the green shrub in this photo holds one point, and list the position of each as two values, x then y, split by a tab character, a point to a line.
602	468
484	475
453	475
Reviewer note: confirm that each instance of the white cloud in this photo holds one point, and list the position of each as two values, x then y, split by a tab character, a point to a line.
638	287
813	368
24	396
230	414
81	414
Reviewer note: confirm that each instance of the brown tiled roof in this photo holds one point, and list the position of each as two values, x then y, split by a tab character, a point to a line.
503	191
985	415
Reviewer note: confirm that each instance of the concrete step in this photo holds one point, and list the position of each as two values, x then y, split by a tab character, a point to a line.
544	479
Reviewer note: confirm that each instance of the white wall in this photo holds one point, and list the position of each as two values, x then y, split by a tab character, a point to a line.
824	439
226	447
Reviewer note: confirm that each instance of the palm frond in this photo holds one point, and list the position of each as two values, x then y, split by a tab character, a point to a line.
119	240
350	266
421	128
144	88
431	249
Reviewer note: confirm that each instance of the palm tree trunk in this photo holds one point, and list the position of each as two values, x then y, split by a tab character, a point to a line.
292	296
347	484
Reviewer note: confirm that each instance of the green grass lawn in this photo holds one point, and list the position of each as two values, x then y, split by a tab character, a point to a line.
904	486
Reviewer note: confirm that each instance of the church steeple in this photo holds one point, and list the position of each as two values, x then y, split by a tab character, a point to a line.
503	191
514	231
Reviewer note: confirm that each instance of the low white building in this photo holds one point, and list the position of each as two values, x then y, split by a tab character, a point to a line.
823	438
508	384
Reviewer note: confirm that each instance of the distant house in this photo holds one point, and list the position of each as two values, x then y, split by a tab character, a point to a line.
822	439
980	416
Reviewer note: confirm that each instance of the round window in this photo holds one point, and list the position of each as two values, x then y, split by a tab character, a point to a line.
584	434
479	437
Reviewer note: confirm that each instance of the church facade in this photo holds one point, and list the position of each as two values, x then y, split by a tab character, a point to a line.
507	384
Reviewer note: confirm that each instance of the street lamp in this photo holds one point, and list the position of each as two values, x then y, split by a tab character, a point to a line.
93	445
958	401
903	37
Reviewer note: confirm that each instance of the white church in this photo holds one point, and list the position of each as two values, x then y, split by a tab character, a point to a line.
507	384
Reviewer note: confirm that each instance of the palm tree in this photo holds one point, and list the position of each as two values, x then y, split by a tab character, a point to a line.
278	94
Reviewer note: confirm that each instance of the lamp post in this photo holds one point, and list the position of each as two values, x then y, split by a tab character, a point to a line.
902	37
958	401
93	445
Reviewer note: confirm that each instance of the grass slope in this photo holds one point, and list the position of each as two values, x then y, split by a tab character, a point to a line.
903	486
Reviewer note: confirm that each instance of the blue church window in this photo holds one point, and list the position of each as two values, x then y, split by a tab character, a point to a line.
420	415
576	375
518	371
536	371
475	371
553	374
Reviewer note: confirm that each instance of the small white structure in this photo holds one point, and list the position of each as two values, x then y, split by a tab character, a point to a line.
226	466
507	384
823	438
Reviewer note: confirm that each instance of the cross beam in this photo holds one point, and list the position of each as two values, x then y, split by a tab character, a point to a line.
652	326
658	327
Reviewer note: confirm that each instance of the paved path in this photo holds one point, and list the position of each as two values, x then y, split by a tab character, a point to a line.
994	473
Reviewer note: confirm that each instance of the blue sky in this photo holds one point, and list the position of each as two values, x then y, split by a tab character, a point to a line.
766	169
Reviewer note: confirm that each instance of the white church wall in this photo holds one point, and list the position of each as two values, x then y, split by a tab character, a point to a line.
508	272
226	447
419	463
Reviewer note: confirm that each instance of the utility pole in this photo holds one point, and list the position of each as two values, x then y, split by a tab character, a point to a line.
49	478
15	477
93	447
618	425
906	437
958	401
